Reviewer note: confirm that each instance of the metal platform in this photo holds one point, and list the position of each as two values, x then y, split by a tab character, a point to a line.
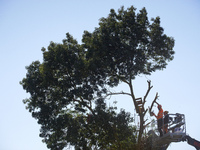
176	131
168	138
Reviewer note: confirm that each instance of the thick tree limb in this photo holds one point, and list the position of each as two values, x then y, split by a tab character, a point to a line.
148	90
120	78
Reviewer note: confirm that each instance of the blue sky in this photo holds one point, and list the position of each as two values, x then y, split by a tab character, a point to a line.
26	26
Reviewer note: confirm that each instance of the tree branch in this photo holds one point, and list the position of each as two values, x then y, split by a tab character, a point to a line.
154	101
145	112
148	90
133	96
147	124
120	78
118	93
89	107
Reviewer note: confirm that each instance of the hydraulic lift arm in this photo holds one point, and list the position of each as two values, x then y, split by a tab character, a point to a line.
192	142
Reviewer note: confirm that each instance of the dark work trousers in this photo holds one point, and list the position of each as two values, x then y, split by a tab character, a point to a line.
166	121
160	124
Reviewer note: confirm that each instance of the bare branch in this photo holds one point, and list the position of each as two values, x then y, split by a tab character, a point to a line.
118	93
154	101
148	90
145	112
145	121
147	124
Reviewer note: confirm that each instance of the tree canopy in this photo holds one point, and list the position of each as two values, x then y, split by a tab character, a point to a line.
73	81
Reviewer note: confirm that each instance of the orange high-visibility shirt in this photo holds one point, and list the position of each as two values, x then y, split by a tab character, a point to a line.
160	113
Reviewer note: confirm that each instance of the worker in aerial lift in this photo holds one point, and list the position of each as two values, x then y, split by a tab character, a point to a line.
166	121
159	119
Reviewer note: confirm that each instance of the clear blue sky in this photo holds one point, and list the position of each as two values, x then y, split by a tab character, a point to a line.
28	25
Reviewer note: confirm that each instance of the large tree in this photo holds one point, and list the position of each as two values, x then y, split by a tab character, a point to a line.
73	76
126	45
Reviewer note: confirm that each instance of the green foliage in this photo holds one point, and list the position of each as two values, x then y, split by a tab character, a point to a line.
61	91
72	77
108	130
127	44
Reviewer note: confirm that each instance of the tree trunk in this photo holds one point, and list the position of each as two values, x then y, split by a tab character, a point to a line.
140	114
140	131
140	109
